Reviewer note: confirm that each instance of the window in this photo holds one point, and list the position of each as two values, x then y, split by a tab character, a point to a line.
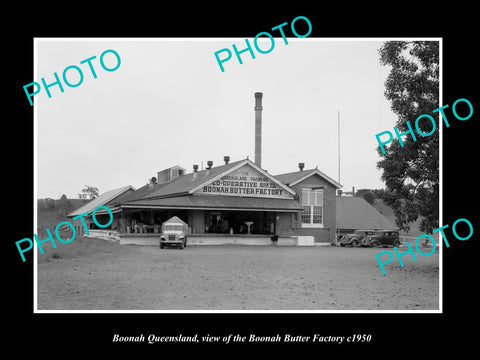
312	202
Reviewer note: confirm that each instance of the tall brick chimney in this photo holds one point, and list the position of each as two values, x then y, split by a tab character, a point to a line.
258	128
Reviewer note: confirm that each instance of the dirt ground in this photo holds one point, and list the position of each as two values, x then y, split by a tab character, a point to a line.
91	274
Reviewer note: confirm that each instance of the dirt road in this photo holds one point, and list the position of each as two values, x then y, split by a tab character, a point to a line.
100	275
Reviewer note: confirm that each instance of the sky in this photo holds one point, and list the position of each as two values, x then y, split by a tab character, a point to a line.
168	104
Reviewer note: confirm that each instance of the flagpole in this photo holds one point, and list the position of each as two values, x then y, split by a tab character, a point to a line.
337	230
339	146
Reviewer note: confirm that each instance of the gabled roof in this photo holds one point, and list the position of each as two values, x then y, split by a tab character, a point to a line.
356	213
104	199
239	165
181	185
187	184
141	193
296	177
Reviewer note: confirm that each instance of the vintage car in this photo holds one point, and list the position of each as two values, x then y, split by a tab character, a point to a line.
384	238
357	238
174	232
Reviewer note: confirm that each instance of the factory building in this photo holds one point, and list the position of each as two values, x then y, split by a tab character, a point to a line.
236	202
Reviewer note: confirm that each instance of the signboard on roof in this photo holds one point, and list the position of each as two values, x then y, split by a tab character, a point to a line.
246	181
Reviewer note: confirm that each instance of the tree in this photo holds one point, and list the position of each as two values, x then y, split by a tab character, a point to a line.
50	203
411	172
82	196
367	194
88	191
64	204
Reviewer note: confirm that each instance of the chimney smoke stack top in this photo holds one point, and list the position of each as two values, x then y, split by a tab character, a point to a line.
301	166
209	164
258	128
258	101
226	159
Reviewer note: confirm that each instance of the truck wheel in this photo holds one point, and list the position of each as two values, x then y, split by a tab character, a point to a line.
181	246
355	243
161	246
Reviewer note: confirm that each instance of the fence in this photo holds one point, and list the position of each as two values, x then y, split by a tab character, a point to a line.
110	235
425	242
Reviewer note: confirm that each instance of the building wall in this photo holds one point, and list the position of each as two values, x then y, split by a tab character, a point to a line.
79	228
287	223
283	223
327	233
196	221
320	235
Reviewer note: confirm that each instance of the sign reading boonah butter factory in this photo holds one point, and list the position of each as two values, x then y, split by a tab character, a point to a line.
246	181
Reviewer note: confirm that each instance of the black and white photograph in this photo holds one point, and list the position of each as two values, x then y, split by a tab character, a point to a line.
271	194
232	188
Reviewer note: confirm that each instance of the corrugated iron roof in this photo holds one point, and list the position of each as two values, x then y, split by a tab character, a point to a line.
211	202
104	199
356	213
184	184
172	194
187	182
181	185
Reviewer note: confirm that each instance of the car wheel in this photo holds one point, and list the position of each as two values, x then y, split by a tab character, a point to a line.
185	242
374	244
161	246
342	245
181	246
354	243
396	243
